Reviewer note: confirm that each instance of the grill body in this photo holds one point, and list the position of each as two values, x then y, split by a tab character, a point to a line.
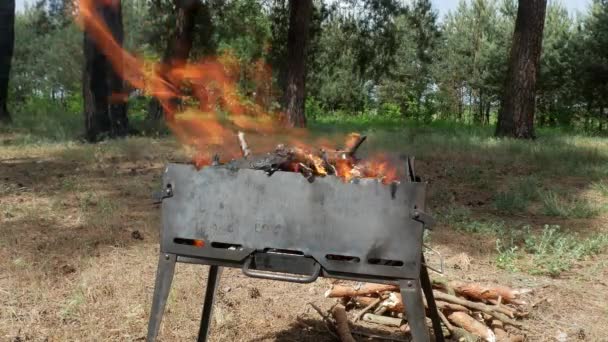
284	227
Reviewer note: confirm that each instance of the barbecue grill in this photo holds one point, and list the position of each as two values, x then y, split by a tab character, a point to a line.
285	227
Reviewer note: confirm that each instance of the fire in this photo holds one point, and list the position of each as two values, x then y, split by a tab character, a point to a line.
207	116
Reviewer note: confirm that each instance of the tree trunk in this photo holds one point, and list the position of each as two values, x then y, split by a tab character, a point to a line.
7	41
516	116
178	49
105	109
488	108
300	12
480	108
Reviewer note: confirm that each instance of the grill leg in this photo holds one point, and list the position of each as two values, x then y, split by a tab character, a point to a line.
164	278
212	281
416	317
427	288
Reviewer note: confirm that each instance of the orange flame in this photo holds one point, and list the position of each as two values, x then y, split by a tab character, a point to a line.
216	109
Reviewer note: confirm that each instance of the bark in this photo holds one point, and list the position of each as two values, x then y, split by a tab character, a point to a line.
342	327
300	12
178	49
7	41
105	109
481	292
516	116
471	325
493	311
383	320
365	290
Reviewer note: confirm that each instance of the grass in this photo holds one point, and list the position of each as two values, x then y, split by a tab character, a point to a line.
569	207
601	187
481	188
549	251
517	199
554	251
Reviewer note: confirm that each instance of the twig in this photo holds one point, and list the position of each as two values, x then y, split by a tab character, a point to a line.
342	327
477	306
328	323
244	148
367	308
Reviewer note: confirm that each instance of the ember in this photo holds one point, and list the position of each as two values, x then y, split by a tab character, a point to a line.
341	163
218	113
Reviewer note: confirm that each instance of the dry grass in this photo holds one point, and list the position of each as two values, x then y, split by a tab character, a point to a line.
71	270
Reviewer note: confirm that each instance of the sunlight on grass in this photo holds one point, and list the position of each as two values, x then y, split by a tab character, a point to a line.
548	252
573	207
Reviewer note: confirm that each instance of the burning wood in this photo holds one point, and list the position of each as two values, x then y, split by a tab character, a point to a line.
342	163
469	311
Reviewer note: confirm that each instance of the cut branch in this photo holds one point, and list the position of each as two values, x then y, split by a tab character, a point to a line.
368	307
383	320
365	290
472	325
243	143
478	307
483	292
342	327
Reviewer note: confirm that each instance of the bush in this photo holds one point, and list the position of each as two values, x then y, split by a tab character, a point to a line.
47	119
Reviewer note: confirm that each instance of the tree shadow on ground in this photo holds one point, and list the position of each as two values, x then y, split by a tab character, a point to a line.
54	212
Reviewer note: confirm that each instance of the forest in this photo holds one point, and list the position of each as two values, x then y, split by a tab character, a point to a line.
373	59
495	114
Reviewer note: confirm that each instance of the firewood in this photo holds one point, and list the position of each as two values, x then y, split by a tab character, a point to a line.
451	306
483	292
314	162
394	302
457	334
243	144
383	320
499	330
363	301
365	290
472	325
461	335
326	319
478	307
368	307
353	143
342	327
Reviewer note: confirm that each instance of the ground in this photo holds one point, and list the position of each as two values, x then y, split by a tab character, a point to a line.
79	238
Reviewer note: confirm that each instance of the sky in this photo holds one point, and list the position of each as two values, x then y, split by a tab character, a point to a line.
442	5
445	5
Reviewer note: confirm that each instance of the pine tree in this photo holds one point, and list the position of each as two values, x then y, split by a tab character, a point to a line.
516	116
7	42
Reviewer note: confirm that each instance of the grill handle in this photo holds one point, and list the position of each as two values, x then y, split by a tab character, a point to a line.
248	271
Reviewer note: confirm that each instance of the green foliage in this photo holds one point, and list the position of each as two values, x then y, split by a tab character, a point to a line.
381	60
554	251
42	119
507	255
518	197
601	187
573	207
550	251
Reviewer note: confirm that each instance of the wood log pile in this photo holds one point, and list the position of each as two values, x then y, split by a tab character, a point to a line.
469	311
